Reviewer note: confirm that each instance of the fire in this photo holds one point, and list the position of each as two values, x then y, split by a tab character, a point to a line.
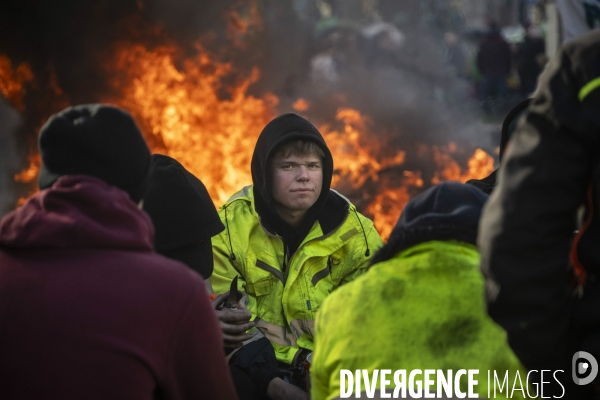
357	152
185	117
12	82
186	111
240	20
31	173
480	165
386	209
301	105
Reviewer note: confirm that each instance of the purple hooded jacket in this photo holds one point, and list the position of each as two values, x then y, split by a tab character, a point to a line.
89	311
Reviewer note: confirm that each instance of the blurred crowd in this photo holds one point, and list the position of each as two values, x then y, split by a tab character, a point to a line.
496	65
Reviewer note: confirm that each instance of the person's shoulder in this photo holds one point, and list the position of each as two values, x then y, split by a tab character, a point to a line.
588	40
347	295
352	226
243	198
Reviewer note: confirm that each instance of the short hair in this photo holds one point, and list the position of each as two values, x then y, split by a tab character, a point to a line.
298	147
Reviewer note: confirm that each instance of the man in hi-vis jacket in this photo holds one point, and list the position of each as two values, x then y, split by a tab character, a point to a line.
291	240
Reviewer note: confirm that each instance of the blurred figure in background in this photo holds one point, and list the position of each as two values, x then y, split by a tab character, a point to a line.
530	58
88	309
455	55
494	64
420	305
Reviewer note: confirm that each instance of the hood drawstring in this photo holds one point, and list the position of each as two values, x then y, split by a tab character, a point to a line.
368	252
231	255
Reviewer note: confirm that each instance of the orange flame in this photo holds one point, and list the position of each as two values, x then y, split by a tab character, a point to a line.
386	209
187	119
186	112
240	19
31	173
480	165
358	153
12	82
301	105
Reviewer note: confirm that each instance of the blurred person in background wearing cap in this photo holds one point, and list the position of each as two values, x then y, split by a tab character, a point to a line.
88	309
421	304
550	310
293	241
185	219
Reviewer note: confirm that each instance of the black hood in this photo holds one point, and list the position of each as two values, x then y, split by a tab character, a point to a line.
283	129
183	214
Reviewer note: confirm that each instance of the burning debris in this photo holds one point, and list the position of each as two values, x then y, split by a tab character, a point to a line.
207	113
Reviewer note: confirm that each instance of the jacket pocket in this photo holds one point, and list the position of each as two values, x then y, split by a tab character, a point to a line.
260	287
272	270
322	273
261	278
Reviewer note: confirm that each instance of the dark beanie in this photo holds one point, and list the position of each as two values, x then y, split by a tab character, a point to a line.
97	140
447	211
183	214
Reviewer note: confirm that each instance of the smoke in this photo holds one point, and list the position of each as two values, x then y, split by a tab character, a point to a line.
66	44
410	97
73	38
410	91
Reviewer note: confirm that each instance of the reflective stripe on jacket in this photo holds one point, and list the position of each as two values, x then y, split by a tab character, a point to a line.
284	302
422	309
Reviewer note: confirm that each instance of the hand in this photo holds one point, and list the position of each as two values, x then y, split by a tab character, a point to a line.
279	389
234	323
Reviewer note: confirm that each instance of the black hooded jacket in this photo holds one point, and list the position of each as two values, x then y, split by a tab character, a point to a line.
551	168
330	209
183	214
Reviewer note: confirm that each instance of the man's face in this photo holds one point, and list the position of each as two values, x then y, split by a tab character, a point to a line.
297	181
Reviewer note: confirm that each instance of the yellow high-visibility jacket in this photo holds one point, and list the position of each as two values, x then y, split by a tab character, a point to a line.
284	303
422	309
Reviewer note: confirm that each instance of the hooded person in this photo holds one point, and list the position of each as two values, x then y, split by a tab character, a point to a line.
542	281
290	238
185	219
419	307
89	310
183	214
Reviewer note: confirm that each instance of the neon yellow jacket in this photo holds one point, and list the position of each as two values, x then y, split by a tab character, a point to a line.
284	303
422	309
